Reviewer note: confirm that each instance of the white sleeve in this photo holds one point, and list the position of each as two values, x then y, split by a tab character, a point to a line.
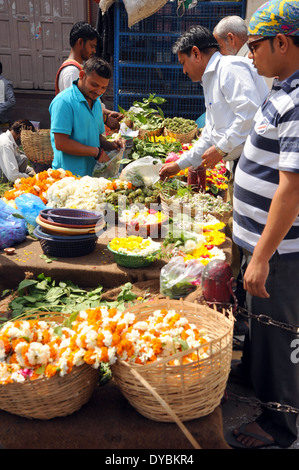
243	98
193	157
66	77
9	164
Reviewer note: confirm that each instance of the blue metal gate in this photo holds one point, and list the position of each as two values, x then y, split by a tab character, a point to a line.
144	62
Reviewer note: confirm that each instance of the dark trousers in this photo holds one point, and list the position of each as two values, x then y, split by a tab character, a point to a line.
273	359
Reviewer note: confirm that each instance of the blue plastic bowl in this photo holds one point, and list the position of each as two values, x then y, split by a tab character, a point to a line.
72	216
65	246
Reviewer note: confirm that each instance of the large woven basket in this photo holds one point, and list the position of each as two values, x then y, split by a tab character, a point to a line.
37	145
169	393
183	138
143	134
48	398
171	208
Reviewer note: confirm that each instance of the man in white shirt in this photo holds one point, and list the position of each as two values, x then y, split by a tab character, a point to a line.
13	163
231	34
233	92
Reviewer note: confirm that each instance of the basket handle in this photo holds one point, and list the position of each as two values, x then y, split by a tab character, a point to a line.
165	406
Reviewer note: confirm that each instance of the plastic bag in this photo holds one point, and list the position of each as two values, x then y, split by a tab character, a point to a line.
178	279
142	172
12	228
109	169
29	206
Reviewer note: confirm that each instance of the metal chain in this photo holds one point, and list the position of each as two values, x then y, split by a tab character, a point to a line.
255	402
266	320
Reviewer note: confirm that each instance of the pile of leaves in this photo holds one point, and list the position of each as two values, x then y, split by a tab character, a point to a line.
46	295
146	114
143	148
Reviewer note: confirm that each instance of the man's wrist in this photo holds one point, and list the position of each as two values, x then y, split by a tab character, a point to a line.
100	151
221	152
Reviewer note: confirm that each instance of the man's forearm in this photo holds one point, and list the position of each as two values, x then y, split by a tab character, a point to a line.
67	145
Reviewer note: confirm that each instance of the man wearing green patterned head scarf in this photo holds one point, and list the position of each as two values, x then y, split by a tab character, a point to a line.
266	227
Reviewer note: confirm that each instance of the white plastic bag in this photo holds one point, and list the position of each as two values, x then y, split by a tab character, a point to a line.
109	169
142	172
178	279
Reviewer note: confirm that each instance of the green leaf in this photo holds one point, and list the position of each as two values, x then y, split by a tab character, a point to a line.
40	370
26	283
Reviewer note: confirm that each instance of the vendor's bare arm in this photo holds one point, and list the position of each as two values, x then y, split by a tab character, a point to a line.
64	143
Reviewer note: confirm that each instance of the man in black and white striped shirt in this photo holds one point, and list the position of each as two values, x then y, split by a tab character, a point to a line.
266	224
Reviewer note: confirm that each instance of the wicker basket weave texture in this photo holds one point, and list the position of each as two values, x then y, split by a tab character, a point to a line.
191	390
48	398
183	138
37	145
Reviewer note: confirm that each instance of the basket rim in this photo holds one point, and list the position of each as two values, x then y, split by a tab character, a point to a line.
158	305
131	256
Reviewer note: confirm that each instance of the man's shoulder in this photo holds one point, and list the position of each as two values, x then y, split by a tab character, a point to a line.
227	61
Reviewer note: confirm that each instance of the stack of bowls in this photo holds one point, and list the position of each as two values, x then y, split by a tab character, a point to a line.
68	233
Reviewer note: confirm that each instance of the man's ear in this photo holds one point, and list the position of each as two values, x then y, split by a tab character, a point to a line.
196	52
231	38
81	74
282	42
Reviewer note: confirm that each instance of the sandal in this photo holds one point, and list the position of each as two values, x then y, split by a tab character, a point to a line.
231	439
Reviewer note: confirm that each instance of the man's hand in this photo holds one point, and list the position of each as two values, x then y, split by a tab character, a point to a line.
169	169
113	119
211	157
103	157
255	278
118	144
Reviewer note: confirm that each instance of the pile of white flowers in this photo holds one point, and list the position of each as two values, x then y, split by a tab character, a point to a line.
84	193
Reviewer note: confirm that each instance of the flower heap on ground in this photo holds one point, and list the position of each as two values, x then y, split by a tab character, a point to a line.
163	334
37	184
34	349
134	245
84	193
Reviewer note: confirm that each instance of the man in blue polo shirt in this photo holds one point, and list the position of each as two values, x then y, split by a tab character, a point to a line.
77	124
266	226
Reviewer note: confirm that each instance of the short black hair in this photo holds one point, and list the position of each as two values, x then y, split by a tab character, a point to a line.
84	31
295	40
98	65
0	67
17	126
198	36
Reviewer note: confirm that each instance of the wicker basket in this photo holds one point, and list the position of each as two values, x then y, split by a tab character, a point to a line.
171	393
171	208
48	398
183	138
143	134
37	145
